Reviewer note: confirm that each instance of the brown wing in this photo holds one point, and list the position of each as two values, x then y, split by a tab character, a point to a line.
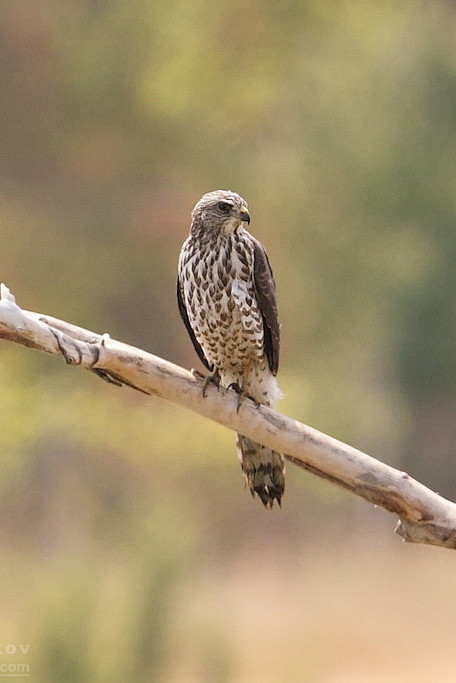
267	300
184	316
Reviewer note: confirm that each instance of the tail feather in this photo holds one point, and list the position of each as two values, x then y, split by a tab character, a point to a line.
264	470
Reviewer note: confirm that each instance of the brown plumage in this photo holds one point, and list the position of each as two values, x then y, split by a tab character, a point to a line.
227	299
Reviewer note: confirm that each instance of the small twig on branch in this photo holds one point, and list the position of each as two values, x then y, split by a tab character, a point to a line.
424	516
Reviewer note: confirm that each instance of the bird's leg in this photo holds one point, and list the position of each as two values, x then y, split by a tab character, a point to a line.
211	379
242	393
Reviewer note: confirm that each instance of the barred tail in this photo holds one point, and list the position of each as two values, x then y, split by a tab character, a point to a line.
264	470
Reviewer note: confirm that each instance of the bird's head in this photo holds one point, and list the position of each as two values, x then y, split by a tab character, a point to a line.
220	211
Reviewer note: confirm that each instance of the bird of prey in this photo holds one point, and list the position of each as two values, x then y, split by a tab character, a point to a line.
227	299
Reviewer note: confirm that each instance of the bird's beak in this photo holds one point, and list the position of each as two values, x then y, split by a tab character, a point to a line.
244	215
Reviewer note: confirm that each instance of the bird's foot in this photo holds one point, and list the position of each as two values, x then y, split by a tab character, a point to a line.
211	379
241	395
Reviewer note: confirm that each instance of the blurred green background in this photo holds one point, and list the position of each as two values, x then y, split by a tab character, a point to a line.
130	549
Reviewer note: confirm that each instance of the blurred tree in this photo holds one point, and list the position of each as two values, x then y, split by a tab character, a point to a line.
336	120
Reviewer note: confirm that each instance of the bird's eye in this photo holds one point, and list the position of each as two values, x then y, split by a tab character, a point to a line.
224	207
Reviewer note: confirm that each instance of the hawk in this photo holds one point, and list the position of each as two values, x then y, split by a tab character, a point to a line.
227	299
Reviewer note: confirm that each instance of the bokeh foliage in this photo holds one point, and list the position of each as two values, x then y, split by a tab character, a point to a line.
337	122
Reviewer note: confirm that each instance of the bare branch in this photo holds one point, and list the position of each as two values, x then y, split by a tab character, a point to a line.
424	516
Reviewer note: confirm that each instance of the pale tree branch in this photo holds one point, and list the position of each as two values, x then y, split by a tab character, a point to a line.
424	516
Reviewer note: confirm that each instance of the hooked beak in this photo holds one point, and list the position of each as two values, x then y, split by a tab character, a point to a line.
244	215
